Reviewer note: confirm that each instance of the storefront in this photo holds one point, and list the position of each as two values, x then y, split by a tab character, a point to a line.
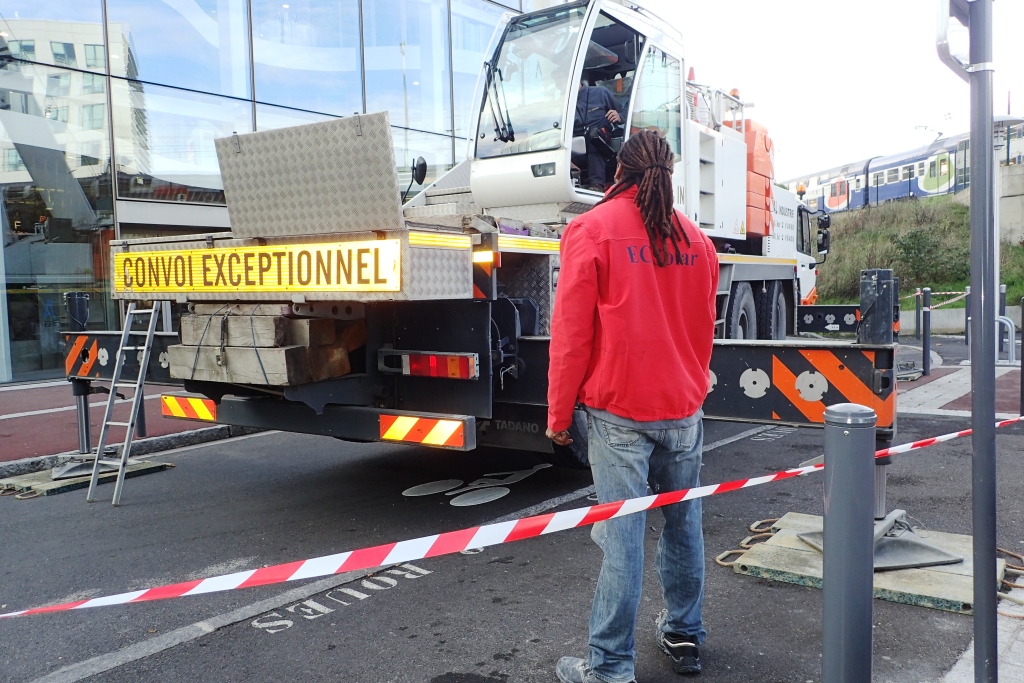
109	110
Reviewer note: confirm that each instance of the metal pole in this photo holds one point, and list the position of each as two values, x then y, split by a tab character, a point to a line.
81	389
1002	312
926	345
967	317
849	544
917	314
881	485
983	348
1022	359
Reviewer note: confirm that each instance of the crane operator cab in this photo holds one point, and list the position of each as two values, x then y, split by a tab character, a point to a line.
560	93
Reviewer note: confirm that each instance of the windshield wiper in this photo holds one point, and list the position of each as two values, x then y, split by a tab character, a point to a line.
499	107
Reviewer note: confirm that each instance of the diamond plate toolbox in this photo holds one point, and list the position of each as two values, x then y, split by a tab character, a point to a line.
323	178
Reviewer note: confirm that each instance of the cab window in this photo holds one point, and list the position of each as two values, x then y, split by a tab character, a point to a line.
610	61
658	98
803	233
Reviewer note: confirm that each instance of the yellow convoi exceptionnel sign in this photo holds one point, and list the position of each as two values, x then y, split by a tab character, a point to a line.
366	266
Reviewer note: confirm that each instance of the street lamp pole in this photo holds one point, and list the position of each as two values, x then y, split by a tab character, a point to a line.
977	16
983	361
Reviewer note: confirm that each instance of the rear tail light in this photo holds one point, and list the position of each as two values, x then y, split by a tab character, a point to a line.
442	365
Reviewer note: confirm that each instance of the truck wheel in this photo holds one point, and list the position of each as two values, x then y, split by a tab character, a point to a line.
741	318
573	456
772	312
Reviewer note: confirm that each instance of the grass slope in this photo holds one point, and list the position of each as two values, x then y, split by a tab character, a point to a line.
926	242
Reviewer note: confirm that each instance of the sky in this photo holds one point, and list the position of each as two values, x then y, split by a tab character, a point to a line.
838	81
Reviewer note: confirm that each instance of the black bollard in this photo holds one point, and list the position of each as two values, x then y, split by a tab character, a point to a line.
926	345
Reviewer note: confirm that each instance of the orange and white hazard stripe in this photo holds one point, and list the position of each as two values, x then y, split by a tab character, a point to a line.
422	430
188	408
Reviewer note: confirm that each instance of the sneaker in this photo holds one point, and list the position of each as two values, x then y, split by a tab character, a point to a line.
682	650
575	670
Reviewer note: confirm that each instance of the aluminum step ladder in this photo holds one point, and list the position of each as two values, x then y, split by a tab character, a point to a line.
137	400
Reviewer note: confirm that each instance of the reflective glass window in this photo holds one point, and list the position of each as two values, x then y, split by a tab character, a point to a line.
52	31
268	117
94	57
63	53
473	25
307	54
410	144
657	100
58	85
23	49
163	141
406	53
56	215
93	83
197	44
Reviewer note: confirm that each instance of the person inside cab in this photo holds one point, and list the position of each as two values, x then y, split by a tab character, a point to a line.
597	112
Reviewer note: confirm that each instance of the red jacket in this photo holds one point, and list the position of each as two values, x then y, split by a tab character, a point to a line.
627	336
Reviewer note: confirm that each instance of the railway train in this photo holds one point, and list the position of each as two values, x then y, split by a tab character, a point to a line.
942	167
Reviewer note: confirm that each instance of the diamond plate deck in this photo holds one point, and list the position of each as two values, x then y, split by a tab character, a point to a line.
331	177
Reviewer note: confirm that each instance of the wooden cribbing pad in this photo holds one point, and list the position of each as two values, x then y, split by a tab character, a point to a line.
43	484
784	557
263	331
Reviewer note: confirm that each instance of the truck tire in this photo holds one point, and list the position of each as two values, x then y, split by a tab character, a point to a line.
574	456
772	312
741	318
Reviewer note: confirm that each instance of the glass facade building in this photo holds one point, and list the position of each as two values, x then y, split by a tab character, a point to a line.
109	110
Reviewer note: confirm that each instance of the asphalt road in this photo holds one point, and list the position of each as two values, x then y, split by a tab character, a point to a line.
504	614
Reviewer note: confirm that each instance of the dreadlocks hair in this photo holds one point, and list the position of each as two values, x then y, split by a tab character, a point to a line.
645	162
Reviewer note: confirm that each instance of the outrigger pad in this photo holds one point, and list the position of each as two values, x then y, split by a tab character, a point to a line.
897	545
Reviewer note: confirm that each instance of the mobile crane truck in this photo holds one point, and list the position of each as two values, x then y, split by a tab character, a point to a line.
333	308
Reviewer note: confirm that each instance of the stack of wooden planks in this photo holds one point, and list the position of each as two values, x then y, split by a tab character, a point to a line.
262	344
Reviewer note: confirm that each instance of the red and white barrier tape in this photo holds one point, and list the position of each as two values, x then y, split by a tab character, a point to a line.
453	541
924	443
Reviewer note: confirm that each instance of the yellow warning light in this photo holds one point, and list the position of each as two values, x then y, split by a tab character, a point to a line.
483	257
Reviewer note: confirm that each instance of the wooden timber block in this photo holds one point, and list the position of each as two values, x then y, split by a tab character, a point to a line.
240	309
328	362
42	483
784	557
262	331
311	331
283	366
352	334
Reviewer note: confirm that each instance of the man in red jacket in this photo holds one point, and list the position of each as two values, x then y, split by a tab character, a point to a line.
631	340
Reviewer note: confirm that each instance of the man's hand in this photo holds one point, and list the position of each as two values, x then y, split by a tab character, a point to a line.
561	438
613	116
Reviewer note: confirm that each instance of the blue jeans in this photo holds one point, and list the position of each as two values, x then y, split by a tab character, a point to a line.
624	462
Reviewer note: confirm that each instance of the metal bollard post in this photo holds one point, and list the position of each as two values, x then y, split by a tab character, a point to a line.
967	317
849	543
1002	313
926	345
140	424
917	314
81	389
